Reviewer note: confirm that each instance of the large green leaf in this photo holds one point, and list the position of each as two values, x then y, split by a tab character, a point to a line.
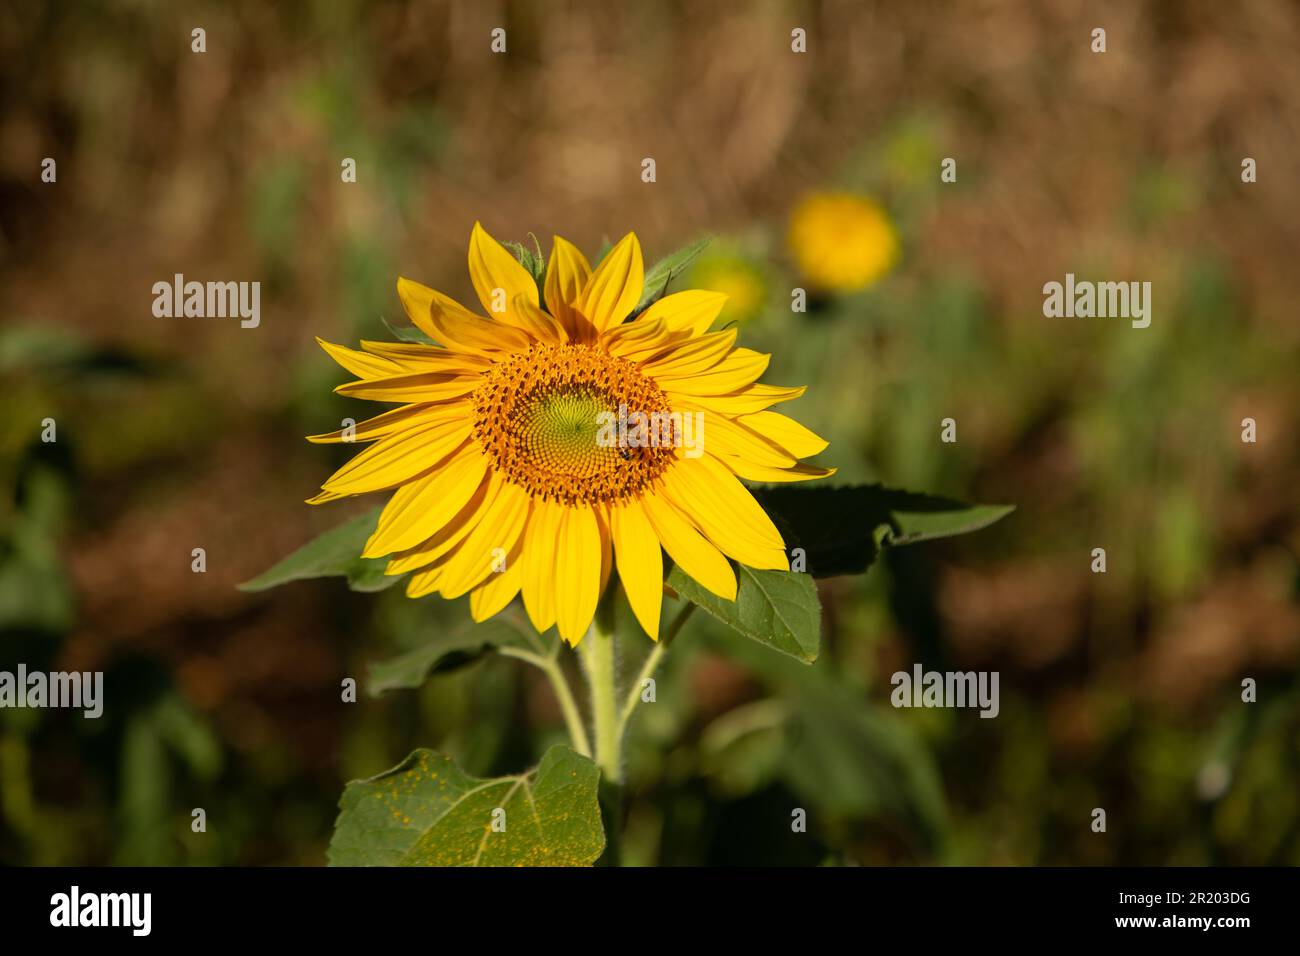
663	272
847	757
426	811
776	608
448	650
336	553
841	530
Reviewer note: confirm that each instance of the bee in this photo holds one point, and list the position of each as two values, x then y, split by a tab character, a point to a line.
625	454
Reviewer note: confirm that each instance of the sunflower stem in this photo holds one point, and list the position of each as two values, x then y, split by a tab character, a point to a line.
650	666
600	660
549	666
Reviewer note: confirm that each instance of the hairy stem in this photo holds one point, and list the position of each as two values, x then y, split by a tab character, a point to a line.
549	666
599	657
650	666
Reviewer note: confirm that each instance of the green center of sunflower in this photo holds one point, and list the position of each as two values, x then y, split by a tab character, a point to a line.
549	419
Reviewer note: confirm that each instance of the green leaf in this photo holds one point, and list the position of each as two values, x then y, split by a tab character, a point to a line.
336	553
530	259
667	269
426	811
408	333
448	650
776	608
841	530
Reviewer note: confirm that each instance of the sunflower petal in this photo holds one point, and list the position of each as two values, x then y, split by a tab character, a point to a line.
543	327
691	356
393	420
785	433
442	541
717	503
615	286
640	563
458	328
689	549
417	510
538	563
415	357
398	458
498	276
743	401
498	590
765	473
412	387
359	363
576	577
736	371
495	533
567	275
415	300
692	310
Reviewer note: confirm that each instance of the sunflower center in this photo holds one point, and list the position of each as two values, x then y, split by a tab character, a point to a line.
549	418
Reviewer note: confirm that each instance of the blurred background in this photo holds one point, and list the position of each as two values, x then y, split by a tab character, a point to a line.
1119	690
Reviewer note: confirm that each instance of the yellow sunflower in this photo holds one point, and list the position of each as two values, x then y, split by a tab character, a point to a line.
510	459
842	242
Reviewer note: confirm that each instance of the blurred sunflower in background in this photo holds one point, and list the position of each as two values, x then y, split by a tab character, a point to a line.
501	483
738	278
842	242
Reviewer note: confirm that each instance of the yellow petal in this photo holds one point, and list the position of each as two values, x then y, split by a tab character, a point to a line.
420	508
786	433
615	286
692	311
413	387
706	492
424	582
415	300
692	356
538	559
494	536
399	458
576	579
752	472
640	563
755	398
393	420
636	341
567	275
498	589
458	328
415	357
736	371
359	363
721	435
446	538
498	276
543	327
697	558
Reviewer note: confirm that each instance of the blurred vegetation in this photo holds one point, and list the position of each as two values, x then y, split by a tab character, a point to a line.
1119	690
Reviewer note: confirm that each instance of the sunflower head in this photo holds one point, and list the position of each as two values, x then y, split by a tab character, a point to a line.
563	435
842	242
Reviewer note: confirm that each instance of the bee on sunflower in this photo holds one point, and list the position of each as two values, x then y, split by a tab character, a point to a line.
500	482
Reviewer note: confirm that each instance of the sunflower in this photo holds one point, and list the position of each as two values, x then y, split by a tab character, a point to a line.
842	242
503	475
